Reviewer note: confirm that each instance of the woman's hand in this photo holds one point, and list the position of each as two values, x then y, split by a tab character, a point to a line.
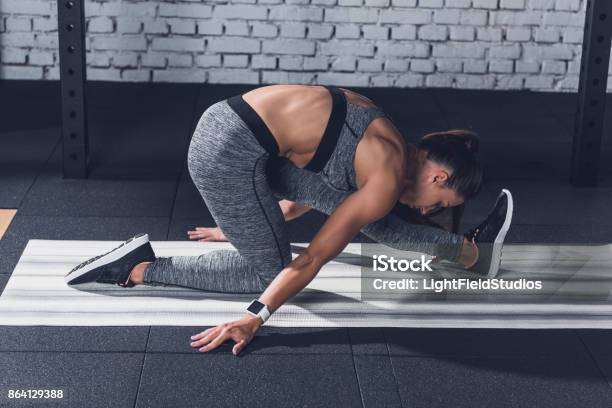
207	234
241	331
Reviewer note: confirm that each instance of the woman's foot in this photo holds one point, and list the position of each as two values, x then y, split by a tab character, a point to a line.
137	274
489	236
114	266
469	254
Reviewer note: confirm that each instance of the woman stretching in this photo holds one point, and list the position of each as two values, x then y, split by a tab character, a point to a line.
338	153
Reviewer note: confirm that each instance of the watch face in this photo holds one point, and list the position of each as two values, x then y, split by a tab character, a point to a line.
255	307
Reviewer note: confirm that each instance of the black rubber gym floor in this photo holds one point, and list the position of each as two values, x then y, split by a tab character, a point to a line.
139	135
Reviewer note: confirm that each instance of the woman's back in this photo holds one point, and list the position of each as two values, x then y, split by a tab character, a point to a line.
297	116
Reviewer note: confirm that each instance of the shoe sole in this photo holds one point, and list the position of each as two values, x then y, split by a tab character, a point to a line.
109	257
501	236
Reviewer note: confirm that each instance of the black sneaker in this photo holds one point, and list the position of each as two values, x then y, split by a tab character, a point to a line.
490	234
114	266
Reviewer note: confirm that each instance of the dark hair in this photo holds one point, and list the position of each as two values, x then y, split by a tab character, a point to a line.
456	149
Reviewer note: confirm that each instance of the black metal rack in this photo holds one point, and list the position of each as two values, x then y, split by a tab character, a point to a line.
589	119
71	28
588	125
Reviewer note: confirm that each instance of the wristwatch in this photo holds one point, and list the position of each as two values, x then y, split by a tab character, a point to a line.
257	308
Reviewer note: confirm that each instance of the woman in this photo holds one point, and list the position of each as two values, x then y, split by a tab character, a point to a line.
350	159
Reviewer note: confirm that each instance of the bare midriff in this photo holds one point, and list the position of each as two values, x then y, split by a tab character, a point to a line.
297	116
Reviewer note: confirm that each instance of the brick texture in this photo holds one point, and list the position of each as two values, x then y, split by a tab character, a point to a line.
480	44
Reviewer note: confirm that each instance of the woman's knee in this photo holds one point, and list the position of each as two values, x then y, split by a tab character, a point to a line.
267	273
265	281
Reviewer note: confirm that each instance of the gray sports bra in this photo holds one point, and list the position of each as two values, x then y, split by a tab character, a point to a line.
338	171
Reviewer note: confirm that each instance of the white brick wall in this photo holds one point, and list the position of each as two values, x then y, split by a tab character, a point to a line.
481	44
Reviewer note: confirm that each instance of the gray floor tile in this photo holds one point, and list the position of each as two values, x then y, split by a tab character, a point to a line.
597	341
377	382
189	202
568	382
368	341
3	280
22	157
52	195
593	233
604	363
268	340
598	344
556	203
29	105
483	342
23	228
73	338
150	144
86	379
140	137
220	380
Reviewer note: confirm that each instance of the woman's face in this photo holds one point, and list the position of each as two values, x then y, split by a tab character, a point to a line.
428	192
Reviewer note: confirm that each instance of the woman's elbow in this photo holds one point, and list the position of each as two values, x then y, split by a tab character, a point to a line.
310	261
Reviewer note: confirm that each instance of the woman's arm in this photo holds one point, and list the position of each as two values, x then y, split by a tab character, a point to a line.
393	230
375	199
371	202
291	210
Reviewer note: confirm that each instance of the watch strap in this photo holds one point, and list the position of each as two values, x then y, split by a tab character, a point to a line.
262	310
264	313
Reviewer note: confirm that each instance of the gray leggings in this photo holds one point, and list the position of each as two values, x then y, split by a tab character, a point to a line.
228	166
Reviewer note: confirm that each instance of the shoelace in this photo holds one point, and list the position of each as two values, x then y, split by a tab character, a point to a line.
473	233
96	258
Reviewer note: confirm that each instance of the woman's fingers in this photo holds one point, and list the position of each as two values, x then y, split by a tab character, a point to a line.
217	341
213	337
203	334
238	347
208	335
199	230
205	234
199	234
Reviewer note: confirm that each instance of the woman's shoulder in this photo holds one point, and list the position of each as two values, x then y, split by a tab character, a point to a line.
380	152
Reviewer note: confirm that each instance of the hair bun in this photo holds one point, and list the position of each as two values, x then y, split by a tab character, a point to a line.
472	144
468	138
456	150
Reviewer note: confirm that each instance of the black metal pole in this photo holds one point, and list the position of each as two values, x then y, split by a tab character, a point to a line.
589	119
71	32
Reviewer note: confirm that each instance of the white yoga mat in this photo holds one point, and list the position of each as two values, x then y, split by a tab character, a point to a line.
576	293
